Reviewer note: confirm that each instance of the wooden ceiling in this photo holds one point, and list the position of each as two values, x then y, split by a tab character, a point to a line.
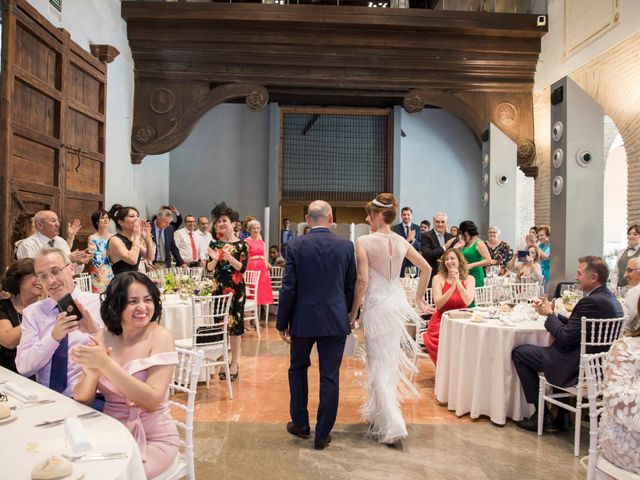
325	55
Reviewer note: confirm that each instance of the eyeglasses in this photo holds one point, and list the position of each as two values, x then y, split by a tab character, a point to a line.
629	270
55	272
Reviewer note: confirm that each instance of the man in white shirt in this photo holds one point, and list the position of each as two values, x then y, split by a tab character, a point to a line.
187	242
47	228
204	237
630	307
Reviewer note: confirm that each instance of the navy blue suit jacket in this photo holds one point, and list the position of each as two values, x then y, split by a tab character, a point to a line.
399	229
317	285
561	360
169	244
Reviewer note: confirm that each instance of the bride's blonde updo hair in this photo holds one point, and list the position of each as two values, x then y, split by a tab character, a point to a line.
385	203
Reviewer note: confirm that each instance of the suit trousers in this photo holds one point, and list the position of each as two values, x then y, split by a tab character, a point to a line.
528	362
330	351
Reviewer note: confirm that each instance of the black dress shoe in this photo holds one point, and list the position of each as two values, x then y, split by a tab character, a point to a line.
531	424
302	432
562	422
321	443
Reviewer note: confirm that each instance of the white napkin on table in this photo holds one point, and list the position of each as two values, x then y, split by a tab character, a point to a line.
76	436
19	392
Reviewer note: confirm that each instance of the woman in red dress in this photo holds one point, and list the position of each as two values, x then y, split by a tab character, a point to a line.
258	261
453	288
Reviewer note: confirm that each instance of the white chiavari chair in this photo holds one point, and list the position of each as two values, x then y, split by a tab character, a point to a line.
420	329
276	274
210	316
83	282
484	296
251	307
184	382
594	334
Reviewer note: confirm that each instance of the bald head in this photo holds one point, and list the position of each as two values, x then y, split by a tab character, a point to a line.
319	214
47	223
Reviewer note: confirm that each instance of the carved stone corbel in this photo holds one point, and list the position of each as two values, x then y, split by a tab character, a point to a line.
164	116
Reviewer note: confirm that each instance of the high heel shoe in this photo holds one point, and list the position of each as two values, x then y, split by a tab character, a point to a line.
234	376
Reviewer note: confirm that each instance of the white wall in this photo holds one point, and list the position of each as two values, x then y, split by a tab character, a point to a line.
225	158
438	167
552	65
99	22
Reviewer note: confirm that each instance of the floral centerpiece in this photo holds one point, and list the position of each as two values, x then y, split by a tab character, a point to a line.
187	285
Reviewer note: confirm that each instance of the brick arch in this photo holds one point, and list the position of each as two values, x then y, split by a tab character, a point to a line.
612	80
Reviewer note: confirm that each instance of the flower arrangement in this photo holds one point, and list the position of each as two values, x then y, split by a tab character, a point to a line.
188	285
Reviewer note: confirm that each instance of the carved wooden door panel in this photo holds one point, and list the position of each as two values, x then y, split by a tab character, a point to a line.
52	121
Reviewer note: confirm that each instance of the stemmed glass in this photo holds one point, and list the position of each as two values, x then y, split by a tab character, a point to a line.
407	271
413	271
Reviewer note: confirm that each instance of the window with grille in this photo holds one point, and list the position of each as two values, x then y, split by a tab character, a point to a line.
337	155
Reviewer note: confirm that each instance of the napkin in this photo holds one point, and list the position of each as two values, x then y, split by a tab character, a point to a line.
19	392
76	436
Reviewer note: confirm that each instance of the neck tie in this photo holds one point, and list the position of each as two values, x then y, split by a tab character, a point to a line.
51	242
441	239
161	248
406	231
58	376
194	250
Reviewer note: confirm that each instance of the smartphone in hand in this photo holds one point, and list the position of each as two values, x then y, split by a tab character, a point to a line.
68	306
522	255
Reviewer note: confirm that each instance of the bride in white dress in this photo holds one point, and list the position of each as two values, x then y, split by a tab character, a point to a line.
386	310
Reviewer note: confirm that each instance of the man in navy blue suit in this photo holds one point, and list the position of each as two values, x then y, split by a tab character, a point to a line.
409	231
560	361
315	298
162	235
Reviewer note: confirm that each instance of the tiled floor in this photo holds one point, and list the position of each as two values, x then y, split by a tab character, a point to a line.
246	438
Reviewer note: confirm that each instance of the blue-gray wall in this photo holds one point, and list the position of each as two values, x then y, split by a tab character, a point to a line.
439	167
225	158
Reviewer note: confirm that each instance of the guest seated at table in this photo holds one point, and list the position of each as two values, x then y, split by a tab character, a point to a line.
561	360
453	288
529	270
21	282
131	363
275	259
619	430
48	334
475	251
132	243
499	251
632	277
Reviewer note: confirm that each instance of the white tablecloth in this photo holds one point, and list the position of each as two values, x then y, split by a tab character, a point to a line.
24	445
475	373
176	316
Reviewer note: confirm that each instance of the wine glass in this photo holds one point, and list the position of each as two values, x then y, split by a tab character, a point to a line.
413	271
407	271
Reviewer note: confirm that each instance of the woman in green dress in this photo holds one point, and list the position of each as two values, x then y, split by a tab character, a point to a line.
475	251
228	257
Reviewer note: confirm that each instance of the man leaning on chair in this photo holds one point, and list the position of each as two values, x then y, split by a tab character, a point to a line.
560	361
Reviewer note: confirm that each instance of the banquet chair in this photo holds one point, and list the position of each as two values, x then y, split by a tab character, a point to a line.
209	333
420	329
594	366
484	296
83	282
276	274
594	333
525	291
184	381
251	307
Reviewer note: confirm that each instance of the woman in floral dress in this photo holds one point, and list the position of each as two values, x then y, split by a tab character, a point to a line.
100	265
228	257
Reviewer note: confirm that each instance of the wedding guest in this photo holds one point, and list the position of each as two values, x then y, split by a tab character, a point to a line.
275	259
48	334
245	232
618	278
258	262
409	231
131	243
529	270
475	251
47	227
561	360
454	231
435	242
23	227
162	236
425	226
286	234
187	242
619	427
131	363
174	211
228	258
21	282
544	249
453	288
499	251
204	237
533	231
100	264
632	276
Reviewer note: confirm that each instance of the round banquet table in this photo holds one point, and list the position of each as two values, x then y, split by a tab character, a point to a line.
475	374
177	316
23	445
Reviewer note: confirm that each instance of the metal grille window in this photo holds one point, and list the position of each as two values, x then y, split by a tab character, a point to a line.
339	157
